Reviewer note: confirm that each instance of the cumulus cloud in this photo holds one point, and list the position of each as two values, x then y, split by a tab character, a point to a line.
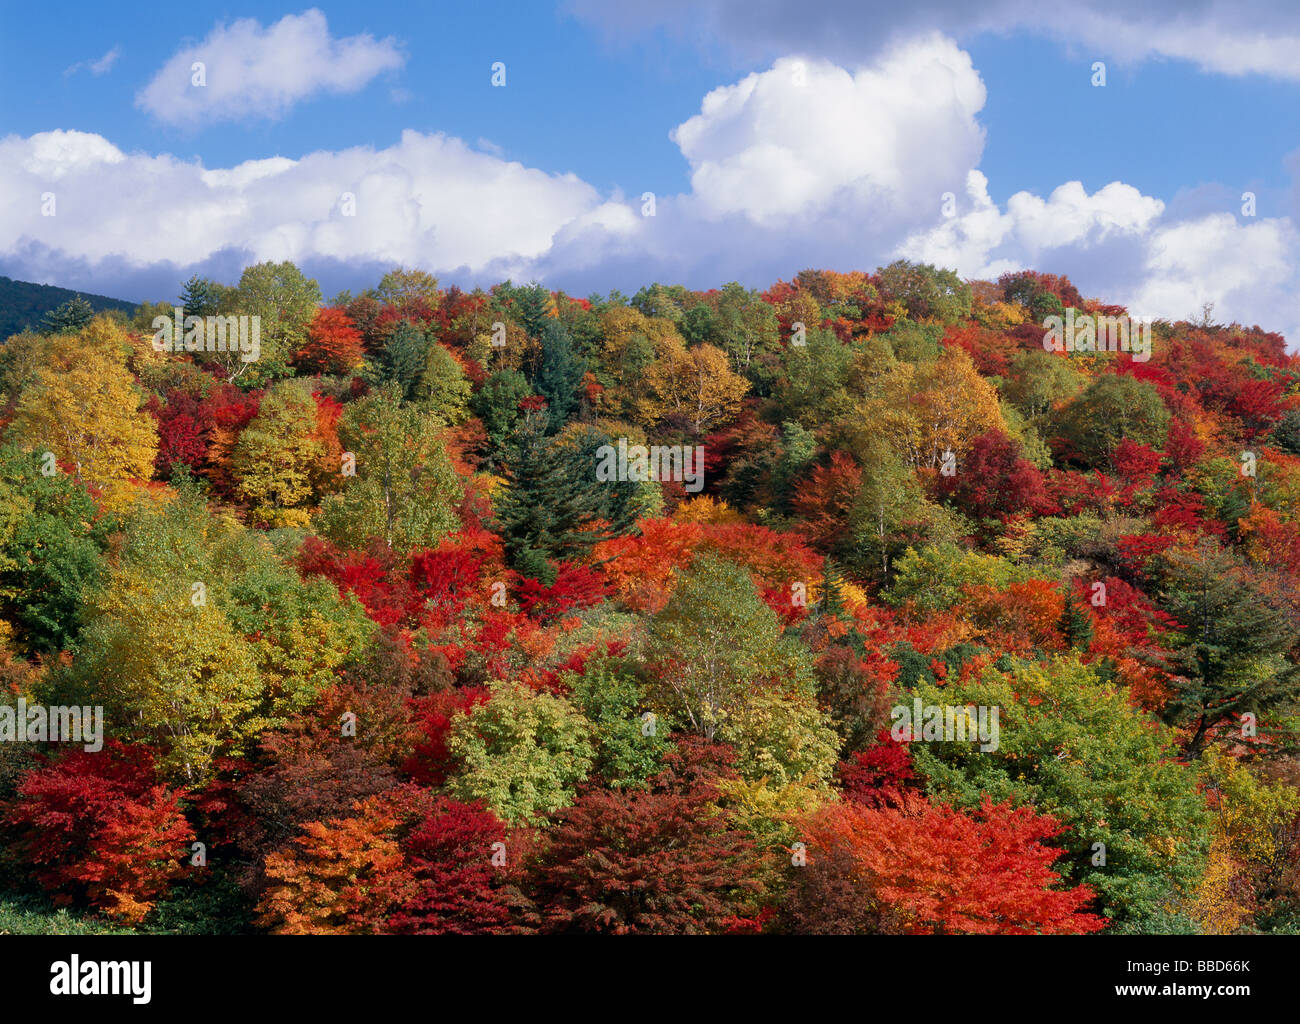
251	71
1116	244
792	140
429	200
805	164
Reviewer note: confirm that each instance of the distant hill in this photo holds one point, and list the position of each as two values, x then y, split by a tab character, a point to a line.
22	304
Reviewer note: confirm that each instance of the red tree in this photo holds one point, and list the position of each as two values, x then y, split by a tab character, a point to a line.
334	345
459	890
100	826
943	871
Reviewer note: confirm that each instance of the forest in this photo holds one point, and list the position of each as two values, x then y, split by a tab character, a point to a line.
855	605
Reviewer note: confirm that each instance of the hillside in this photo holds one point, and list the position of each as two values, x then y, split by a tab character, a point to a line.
867	603
22	303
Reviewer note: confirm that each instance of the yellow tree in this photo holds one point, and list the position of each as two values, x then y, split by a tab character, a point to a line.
278	455
695	383
925	410
84	407
630	342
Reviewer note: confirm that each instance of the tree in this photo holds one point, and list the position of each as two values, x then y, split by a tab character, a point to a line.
279	456
744	324
995	482
890	515
825	501
926	292
50	552
496	403
458	890
715	644
100	826
1231	652
1111	409
344	876
612	697
444	388
405	490
695	385
69	318
560	374
84	407
403	359
286	301
1040	381
522	753
333	345
553	507
637	862
201	297
401	287
944	872
1075	748
201	637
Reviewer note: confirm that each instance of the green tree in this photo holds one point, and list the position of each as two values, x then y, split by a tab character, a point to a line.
51	552
552	504
927	292
522	753
405	489
68	318
1111	409
444	388
560	374
200	637
1076	748
496	403
1231	652
201	297
630	741
715	645
286	301
403	359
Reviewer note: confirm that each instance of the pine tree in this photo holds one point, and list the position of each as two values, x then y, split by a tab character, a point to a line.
403	358
560	374
68	318
552	500
200	297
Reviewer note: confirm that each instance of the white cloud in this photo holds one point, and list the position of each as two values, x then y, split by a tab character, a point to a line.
101	66
793	140
1231	37
429	200
255	72
846	171
1248	270
1115	245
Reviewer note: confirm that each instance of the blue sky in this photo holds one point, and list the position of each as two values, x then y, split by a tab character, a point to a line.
774	134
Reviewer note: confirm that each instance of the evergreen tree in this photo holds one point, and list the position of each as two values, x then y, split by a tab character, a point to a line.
496	403
201	297
1230	657
403	359
552	500
560	373
530	307
68	318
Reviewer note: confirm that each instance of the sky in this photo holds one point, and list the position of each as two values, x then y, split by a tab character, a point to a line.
1151	153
